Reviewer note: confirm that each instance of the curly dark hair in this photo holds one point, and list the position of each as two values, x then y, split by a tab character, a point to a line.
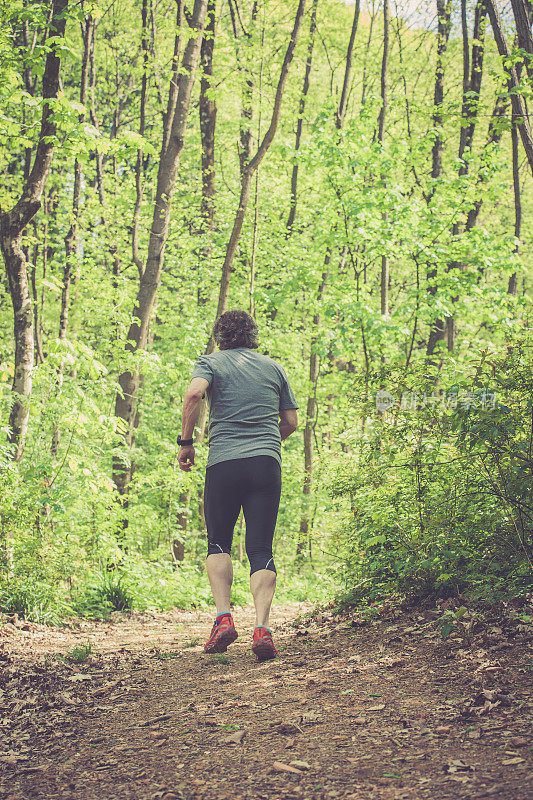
235	328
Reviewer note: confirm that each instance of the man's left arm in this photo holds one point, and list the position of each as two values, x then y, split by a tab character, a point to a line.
189	417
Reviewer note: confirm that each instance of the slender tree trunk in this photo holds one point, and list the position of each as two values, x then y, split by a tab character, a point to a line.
247	90
438	327
520	116
373	15
312	406
384	64
385	269
12	225
513	280
523	14
30	84
301	111
168	116
472	78
71	239
310	419
255	227
208	113
494	135
249	170
139	168
343	102
126	400
107	229
39	356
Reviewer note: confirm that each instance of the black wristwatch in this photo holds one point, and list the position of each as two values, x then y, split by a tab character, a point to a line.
184	442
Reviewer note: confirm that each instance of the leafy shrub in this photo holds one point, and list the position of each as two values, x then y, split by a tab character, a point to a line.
442	503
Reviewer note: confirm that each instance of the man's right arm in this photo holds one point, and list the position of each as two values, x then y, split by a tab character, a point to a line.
288	422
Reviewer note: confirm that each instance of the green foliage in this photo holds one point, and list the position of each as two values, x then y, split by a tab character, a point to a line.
425	500
441	503
80	653
115	592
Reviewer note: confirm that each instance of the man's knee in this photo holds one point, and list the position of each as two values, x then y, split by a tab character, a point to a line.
261	560
213	548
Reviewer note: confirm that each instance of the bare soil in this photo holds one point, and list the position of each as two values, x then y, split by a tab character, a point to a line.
355	707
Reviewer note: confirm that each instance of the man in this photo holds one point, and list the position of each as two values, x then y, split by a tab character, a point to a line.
251	410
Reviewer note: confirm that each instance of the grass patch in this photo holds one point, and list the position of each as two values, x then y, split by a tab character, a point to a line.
80	653
221	658
167	654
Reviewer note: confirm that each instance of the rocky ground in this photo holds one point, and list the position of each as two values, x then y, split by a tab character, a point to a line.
358	706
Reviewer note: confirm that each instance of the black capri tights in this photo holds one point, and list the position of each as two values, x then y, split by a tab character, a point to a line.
255	485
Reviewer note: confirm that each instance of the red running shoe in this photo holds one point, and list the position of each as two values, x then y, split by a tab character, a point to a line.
222	635
263	646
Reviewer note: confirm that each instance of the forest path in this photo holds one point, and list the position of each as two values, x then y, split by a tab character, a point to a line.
354	708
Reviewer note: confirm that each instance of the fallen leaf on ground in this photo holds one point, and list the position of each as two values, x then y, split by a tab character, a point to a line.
66	698
30	770
288	728
278	766
234	738
290	743
519	741
310	718
106	688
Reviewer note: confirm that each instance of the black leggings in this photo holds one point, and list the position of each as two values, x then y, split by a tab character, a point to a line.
255	484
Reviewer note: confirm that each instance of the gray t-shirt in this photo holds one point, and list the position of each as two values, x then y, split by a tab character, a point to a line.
246	393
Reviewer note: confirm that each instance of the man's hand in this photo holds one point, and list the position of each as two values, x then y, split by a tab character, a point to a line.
186	458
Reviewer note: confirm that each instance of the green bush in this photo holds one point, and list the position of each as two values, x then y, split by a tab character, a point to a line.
442	503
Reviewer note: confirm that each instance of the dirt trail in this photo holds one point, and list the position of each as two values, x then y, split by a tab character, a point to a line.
354	708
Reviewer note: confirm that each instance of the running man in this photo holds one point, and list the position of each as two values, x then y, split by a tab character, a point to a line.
251	410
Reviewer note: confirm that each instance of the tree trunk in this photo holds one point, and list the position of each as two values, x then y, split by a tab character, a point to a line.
300	122
126	400
373	15
520	116
438	327
523	14
208	113
247	88
513	280
310	419
71	239
139	168
472	78
112	248
384	64
312	406
343	102
249	169
168	116
12	225
385	269
494	135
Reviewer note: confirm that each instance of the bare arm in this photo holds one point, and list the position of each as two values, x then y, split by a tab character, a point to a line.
189	417
288	422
